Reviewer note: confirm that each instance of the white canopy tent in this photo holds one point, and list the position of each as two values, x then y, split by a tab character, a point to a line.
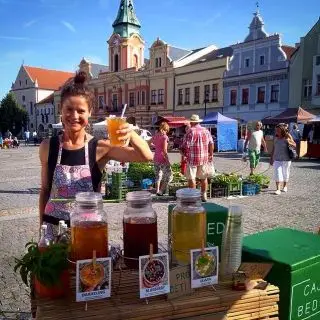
57	125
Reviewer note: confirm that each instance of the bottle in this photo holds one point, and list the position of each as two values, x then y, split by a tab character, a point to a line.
231	247
89	227
43	243
188	225
64	235
139	228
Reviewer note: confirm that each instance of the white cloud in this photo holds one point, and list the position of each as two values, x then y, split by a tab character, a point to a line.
15	38
94	59
69	26
29	23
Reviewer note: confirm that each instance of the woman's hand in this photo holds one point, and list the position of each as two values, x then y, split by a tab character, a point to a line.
125	130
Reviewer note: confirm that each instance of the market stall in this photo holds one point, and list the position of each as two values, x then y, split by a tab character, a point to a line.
290	115
312	135
227	130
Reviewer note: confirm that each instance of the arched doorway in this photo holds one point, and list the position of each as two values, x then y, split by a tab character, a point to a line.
135	61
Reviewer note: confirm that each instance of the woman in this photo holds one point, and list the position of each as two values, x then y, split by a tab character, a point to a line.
161	161
280	157
73	161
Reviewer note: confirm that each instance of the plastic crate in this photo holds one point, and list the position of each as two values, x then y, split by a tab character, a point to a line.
235	189
249	189
218	191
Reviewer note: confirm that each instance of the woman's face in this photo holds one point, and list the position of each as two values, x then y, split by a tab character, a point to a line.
75	113
278	133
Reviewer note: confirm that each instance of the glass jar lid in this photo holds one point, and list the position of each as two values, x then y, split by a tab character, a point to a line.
188	193
138	196
89	199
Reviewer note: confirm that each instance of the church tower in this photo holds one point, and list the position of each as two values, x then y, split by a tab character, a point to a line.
126	46
256	28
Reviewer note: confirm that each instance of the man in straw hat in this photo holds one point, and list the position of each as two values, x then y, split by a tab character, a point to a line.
197	147
254	141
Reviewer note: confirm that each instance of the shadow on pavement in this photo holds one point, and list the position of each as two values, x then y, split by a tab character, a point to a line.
28	191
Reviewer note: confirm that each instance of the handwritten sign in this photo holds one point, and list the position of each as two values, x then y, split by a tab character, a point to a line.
154	275
255	271
180	282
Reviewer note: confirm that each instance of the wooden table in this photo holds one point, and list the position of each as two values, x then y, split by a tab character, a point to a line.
205	303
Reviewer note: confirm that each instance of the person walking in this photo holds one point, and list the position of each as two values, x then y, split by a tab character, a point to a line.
27	137
197	147
253	143
295	133
162	165
1	141
280	158
73	161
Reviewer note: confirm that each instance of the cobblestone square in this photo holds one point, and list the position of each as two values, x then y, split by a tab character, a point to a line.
20	182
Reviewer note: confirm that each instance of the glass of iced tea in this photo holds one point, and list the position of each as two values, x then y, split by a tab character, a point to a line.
113	124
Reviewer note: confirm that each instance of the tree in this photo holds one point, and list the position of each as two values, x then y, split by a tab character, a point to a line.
12	116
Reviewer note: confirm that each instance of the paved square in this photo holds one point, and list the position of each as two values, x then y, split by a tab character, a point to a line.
20	182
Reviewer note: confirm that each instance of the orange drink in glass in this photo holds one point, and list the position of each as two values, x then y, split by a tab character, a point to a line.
113	124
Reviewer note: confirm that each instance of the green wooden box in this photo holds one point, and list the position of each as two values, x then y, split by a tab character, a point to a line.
296	270
216	220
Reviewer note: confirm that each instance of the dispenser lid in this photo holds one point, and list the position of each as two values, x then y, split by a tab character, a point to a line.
188	193
138	196
89	197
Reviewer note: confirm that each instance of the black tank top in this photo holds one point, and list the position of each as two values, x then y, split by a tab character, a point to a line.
74	158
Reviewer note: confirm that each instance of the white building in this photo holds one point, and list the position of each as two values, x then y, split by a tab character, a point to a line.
45	115
33	85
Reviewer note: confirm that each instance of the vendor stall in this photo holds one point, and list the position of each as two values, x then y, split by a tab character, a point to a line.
290	115
227	130
312	135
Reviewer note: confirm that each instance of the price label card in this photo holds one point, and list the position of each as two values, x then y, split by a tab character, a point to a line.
93	280
204	267
180	282
154	275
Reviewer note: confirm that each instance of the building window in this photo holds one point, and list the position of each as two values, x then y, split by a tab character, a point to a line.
206	93
245	96
160	96
138	98
20	82
261	60
115	102
274	97
247	62
116	64
47	118
159	62
101	102
187	96
317	60
233	97
31	108
26	81
261	94
52	111
318	86
143	98
180	96
307	90
196	95
136	60
131	99
215	92
23	98
153	96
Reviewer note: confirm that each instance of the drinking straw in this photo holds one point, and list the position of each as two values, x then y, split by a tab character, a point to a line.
94	258
202	248
123	110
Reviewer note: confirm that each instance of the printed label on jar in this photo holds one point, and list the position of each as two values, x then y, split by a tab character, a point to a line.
154	275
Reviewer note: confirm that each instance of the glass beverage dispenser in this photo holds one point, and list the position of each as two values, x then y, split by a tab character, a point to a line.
139	228
188	225
89	227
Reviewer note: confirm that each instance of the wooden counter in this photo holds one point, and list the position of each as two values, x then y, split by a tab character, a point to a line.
204	303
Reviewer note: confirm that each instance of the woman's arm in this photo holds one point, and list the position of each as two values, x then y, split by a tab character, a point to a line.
165	149
137	151
44	191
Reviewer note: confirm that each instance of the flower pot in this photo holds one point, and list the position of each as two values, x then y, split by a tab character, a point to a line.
57	291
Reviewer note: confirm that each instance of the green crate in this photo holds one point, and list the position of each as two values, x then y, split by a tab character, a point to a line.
296	269
235	188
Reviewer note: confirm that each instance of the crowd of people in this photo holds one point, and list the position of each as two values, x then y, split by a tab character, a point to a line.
8	141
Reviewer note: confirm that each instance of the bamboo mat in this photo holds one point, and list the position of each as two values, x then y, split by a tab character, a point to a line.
204	303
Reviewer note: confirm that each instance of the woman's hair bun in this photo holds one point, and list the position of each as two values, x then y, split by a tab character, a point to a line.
80	77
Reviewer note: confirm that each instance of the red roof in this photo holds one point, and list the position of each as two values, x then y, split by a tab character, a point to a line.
48	79
288	50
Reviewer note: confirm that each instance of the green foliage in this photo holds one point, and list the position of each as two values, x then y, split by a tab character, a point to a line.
46	266
140	171
260	179
12	115
224	179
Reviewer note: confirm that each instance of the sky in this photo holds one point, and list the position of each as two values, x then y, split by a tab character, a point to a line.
56	34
